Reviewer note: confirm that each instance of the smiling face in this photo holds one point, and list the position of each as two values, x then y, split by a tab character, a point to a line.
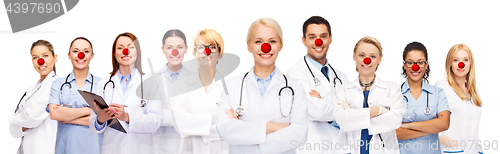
41	51
172	43
264	34
416	56
203	59
122	43
460	56
363	51
78	46
314	32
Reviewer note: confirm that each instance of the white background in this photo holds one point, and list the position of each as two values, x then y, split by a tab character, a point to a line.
438	25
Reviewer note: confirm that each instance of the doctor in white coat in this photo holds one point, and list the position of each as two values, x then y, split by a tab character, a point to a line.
30	121
166	139
369	109
266	111
463	100
198	96
140	119
318	78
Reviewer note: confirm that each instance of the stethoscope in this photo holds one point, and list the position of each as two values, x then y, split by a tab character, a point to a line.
240	110
66	82
316	80
366	100
427	110
142	104
24	95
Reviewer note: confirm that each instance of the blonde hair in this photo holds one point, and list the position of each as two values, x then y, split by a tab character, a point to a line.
265	22
470	78
209	36
369	40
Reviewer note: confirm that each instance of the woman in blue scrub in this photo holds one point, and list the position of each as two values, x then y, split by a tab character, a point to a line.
427	111
68	107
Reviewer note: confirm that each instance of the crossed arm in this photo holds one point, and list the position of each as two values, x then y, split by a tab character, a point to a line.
79	116
424	128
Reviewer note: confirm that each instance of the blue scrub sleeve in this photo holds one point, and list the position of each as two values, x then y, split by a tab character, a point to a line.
54	94
99	127
442	101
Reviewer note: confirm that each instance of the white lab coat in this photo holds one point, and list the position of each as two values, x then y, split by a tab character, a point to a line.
464	122
192	113
353	120
248	133
166	139
143	121
40	138
320	111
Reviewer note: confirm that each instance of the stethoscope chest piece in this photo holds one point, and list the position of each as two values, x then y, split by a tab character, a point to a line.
427	111
239	111
143	103
316	82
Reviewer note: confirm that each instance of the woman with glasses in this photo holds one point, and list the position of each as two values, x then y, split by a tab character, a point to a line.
197	96
427	111
265	111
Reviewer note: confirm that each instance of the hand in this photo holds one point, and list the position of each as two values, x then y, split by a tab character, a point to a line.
230	113
119	112
103	115
382	110
344	104
56	107
314	93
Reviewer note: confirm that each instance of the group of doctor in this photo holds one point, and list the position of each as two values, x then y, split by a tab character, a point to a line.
177	110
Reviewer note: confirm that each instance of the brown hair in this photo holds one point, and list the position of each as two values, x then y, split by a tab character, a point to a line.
116	65
46	44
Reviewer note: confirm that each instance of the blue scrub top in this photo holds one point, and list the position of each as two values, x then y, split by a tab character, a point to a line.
72	138
414	112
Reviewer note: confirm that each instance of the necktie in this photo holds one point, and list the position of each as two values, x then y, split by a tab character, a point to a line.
324	70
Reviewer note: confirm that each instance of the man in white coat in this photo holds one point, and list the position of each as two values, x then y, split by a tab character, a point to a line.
318	79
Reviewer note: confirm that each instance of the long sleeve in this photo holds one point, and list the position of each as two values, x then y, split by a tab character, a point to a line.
187	123
150	120
279	141
391	120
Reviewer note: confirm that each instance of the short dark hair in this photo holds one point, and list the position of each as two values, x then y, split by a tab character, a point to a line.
174	32
419	47
316	20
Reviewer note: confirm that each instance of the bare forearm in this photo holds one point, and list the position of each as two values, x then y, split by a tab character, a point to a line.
432	126
273	127
406	134
67	114
81	121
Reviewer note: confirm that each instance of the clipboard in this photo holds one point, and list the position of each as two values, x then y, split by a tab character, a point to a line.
90	98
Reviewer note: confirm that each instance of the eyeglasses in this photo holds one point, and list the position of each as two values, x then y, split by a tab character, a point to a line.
419	63
200	49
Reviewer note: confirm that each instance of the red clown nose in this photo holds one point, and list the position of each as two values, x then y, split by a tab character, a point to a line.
367	60
415	67
175	52
207	51
125	51
81	55
318	42
266	47
461	65
40	61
